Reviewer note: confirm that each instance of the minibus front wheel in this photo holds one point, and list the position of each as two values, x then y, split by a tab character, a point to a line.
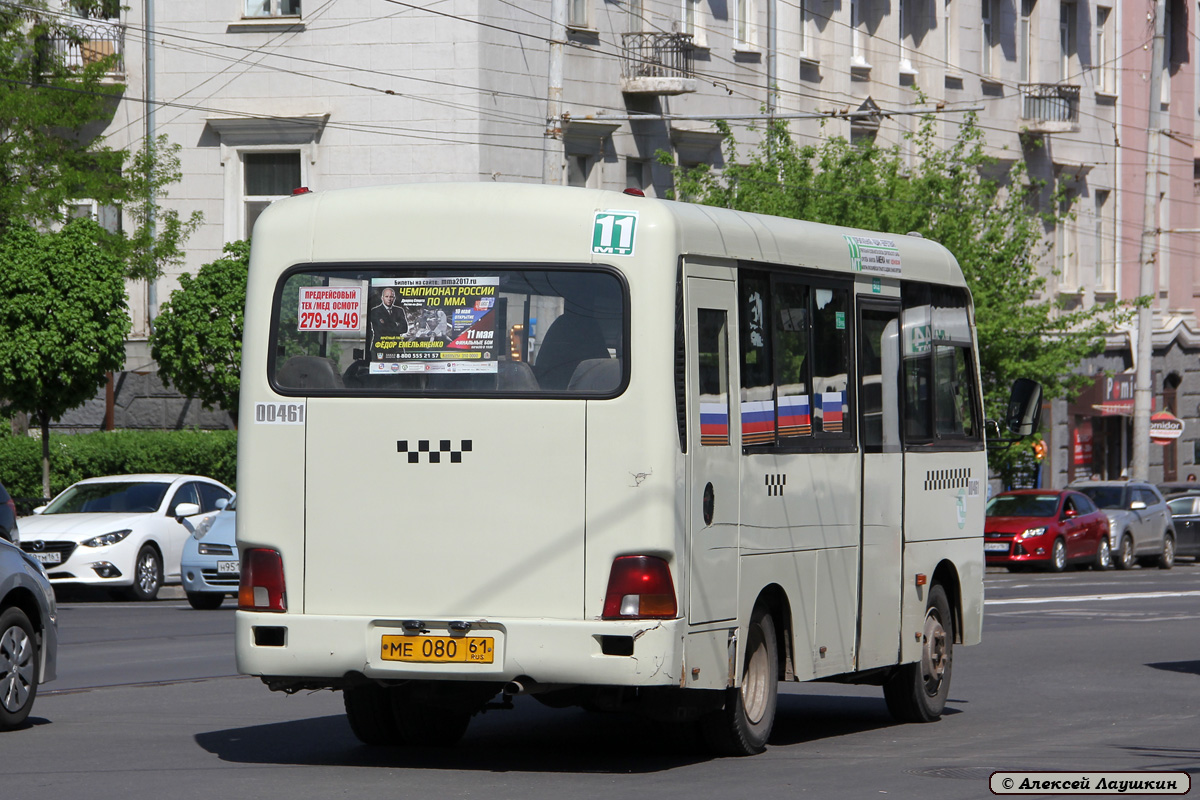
917	692
743	726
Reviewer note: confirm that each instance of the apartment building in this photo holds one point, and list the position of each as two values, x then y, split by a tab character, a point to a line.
268	95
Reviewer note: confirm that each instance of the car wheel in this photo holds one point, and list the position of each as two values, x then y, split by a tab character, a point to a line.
917	692
369	712
1125	558
1103	556
1167	559
205	601
1058	556
743	726
18	668
147	574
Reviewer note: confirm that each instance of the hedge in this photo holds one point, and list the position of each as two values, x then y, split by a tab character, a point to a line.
74	457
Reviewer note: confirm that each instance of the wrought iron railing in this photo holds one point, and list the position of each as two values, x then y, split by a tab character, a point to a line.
1050	102
90	41
657	55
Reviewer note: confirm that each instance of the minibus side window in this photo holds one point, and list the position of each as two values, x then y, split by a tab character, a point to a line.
757	400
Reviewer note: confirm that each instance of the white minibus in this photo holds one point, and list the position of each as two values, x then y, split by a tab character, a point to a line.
603	450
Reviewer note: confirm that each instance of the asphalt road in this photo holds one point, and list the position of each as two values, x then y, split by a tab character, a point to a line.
1080	671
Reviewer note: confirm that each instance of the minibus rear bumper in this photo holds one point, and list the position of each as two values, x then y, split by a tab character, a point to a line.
327	650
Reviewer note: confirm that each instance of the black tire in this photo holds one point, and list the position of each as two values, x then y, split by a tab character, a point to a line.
1125	557
19	661
369	712
917	692
1167	559
1104	559
743	726
422	725
147	574
1058	556
205	601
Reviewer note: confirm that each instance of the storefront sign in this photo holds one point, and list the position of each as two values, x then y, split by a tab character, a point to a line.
1165	427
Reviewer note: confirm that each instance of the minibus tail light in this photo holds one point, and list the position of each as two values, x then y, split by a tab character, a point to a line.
261	587
640	587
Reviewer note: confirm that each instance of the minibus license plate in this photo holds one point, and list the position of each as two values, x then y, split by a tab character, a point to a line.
439	649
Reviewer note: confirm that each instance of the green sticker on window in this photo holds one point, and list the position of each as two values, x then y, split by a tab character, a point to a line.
840	320
614	233
876	286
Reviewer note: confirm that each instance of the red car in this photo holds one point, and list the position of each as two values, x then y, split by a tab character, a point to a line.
1049	528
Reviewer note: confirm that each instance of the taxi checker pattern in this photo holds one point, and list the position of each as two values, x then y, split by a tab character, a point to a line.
947	479
435	456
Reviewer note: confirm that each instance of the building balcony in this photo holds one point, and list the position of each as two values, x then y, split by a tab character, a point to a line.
90	41
657	63
1050	108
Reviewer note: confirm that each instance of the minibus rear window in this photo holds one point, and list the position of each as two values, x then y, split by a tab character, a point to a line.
449	330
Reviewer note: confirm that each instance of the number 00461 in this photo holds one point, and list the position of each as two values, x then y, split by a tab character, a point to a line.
439	649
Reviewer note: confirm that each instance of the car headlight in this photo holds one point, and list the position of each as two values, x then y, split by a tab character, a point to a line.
106	539
1032	532
203	527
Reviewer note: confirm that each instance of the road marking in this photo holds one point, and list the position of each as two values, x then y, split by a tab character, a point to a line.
1089	598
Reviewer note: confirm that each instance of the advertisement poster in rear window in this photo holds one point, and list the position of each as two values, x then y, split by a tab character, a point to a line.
432	325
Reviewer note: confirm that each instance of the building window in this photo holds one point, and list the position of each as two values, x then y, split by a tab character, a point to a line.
636	14
691	22
106	216
1068	251
272	8
988	33
1066	40
1026	41
266	177
950	35
577	14
906	22
744	24
1106	74
635	173
579	170
858	34
1106	242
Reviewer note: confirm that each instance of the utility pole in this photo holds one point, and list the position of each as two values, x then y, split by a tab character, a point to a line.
551	142
1143	392
151	132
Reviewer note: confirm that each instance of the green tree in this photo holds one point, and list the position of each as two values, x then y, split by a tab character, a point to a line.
50	112
197	338
987	217
63	321
45	103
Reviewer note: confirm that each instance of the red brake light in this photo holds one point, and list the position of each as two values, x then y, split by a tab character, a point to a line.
261	587
640	587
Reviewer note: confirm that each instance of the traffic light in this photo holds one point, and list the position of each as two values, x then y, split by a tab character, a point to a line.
1039	449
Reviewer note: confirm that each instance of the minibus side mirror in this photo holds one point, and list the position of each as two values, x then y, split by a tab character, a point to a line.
1024	407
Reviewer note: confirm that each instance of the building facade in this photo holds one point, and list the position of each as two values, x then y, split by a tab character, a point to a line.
265	96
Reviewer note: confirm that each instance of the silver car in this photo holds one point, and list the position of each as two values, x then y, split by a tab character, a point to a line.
1139	521
28	633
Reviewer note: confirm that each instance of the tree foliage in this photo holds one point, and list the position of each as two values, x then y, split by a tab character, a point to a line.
63	321
986	217
197	338
51	111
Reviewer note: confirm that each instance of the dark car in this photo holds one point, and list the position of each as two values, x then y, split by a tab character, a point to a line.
8	517
1185	513
28	634
1048	528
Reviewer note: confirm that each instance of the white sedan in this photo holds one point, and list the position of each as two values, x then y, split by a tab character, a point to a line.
123	531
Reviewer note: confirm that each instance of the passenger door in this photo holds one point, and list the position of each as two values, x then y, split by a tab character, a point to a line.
882	551
714	446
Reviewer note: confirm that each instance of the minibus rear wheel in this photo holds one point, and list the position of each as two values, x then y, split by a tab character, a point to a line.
743	726
369	711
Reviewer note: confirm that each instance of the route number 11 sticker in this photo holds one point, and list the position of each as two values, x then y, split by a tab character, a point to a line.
614	233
